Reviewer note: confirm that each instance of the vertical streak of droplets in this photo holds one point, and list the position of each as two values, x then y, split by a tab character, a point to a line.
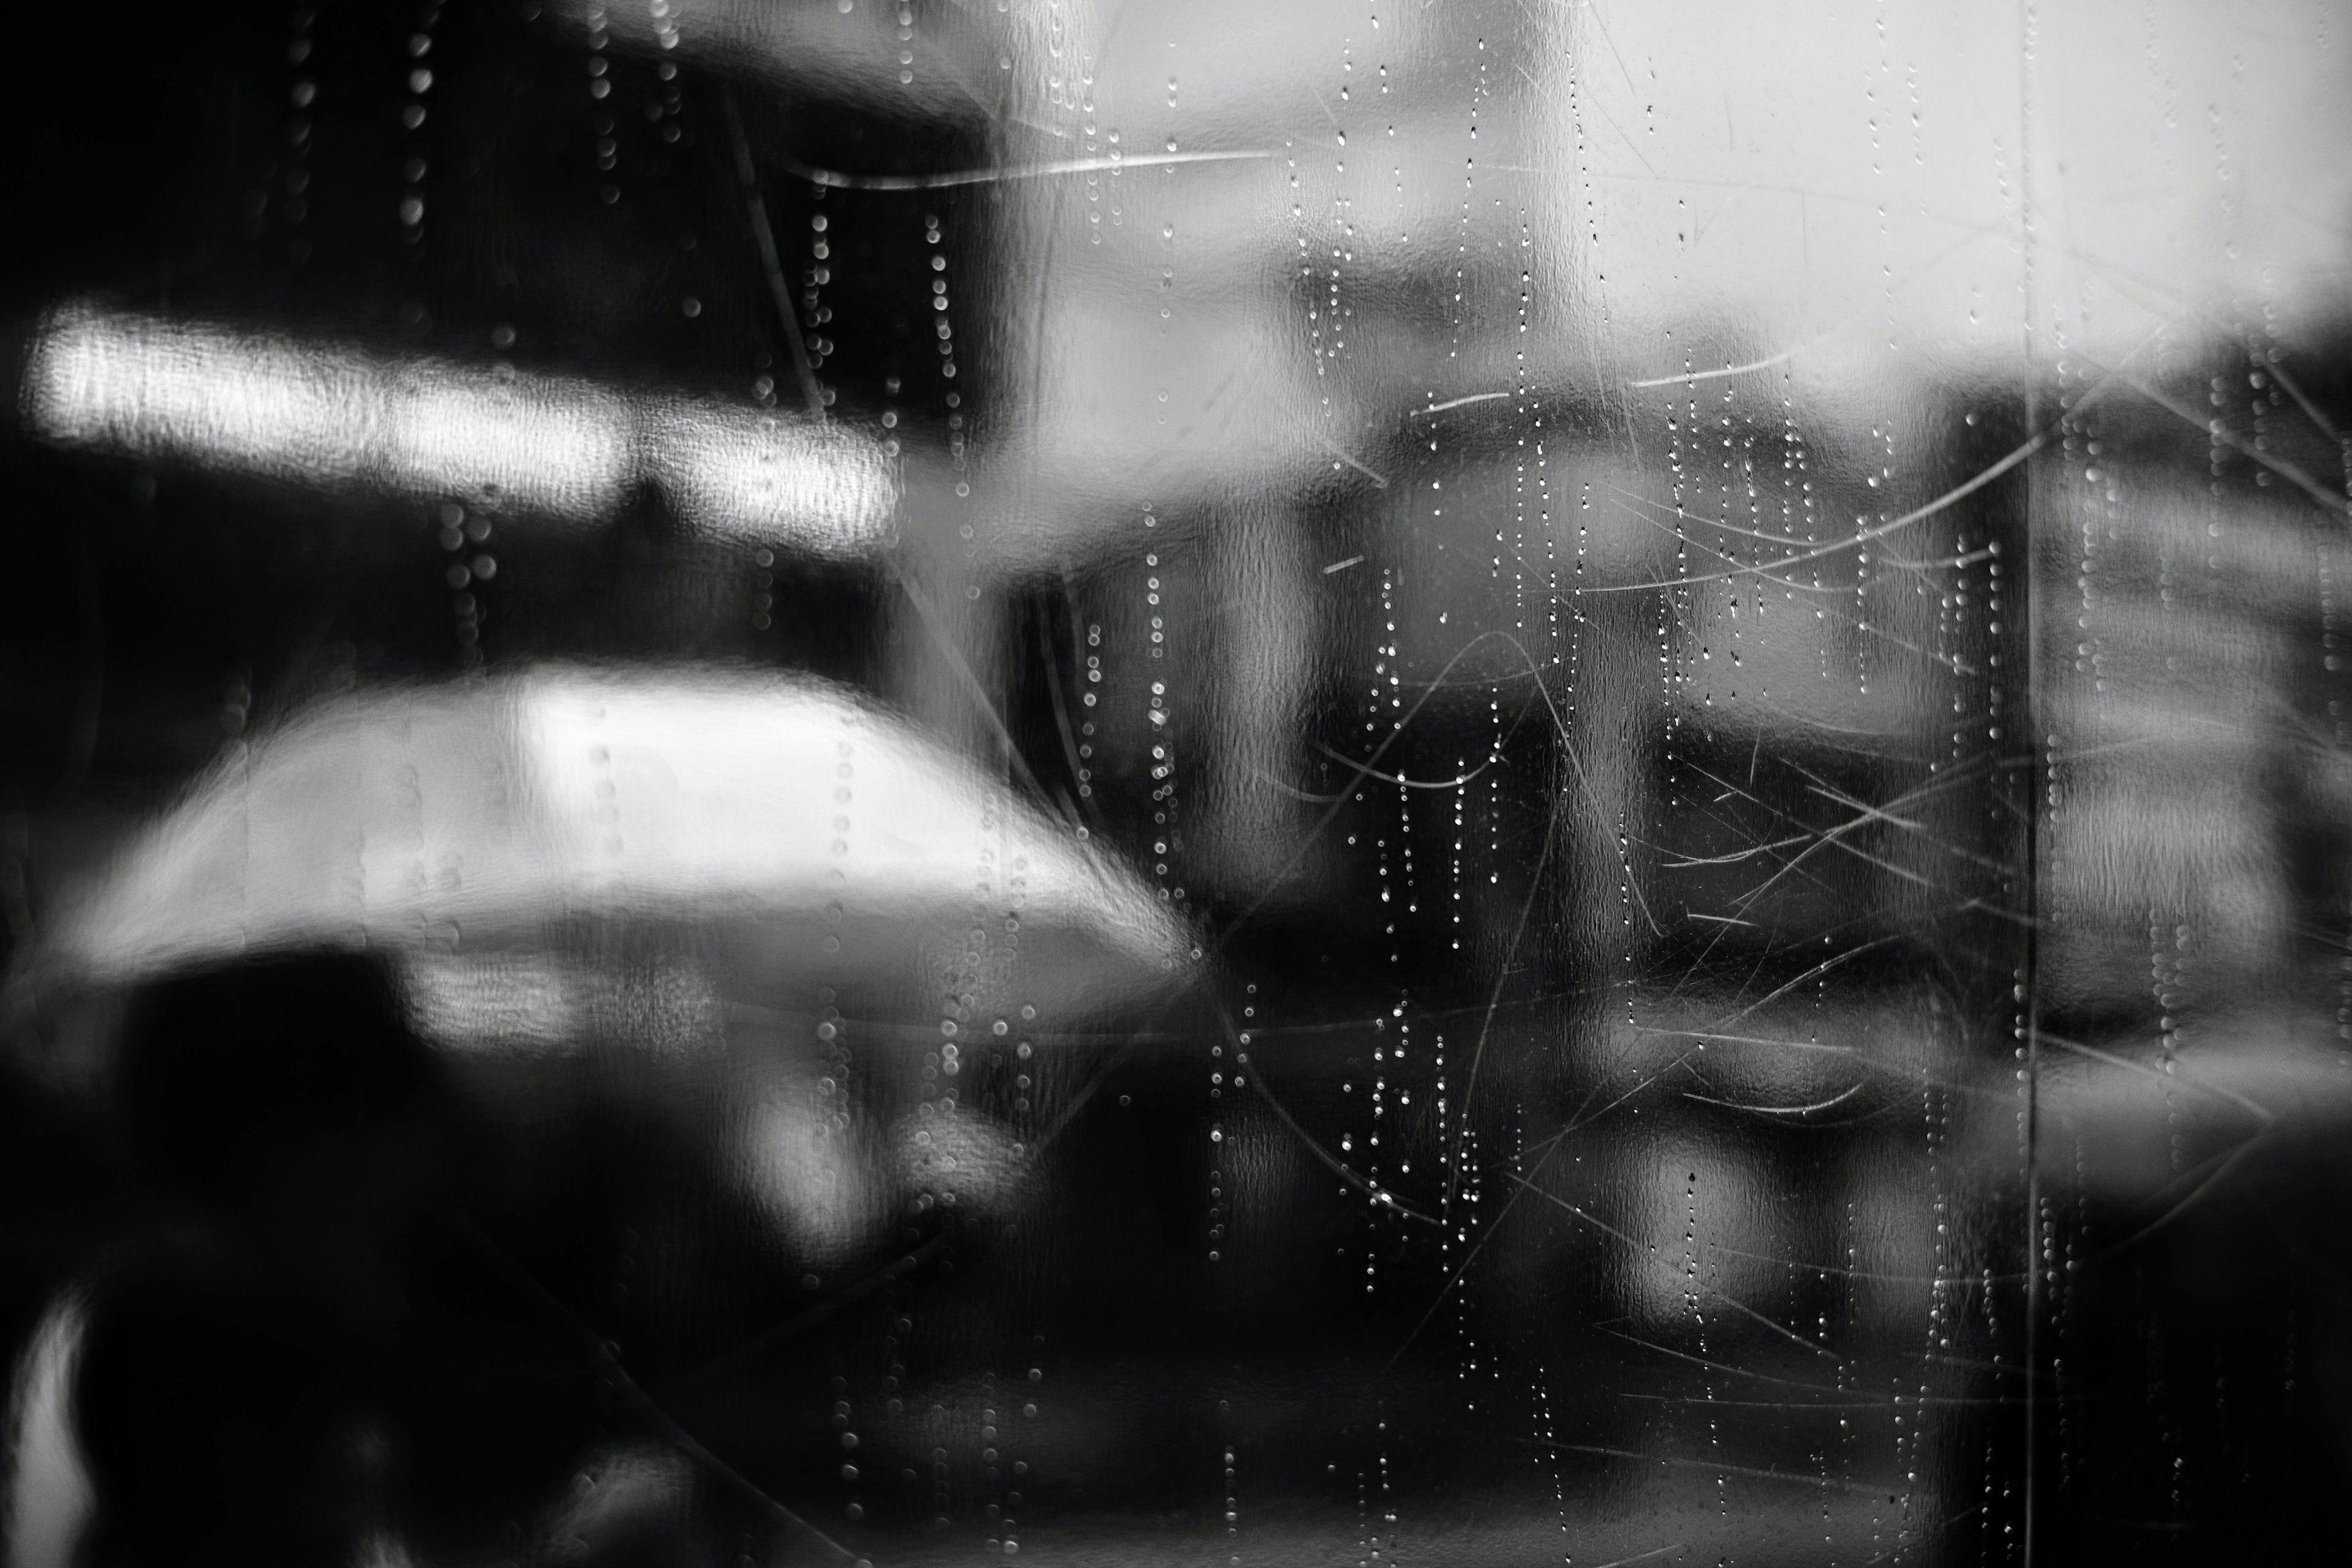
2026	1024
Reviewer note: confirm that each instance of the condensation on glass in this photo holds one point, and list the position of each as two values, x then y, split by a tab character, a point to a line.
889	783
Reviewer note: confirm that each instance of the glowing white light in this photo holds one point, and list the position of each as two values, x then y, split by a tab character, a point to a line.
491	437
735	473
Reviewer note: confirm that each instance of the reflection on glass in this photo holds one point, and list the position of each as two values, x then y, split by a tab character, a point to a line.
873	783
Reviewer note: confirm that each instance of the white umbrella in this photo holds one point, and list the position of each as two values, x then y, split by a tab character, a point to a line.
788	829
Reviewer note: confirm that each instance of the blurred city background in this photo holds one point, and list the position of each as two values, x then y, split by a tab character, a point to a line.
834	781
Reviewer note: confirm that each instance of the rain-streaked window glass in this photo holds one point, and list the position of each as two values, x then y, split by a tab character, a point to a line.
901	781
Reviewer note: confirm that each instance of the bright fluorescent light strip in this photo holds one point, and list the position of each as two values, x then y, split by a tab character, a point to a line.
493	437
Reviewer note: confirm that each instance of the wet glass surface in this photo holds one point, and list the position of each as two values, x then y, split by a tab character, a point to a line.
882	783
